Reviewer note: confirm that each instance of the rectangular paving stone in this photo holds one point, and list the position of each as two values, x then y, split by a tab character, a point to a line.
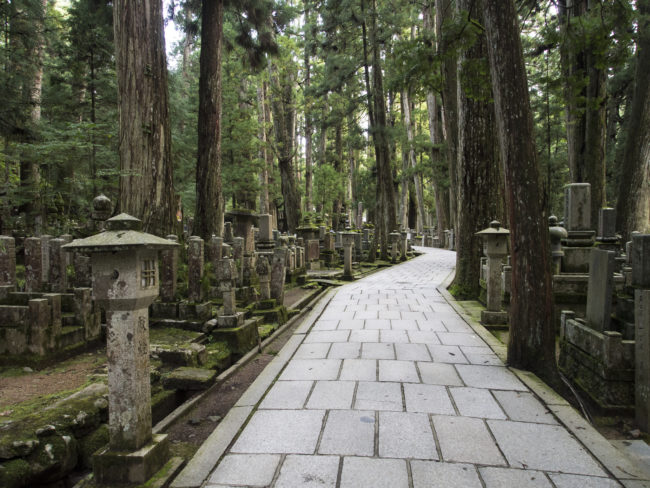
308	472
330	314
281	432
401	324
439	374
376	307
403	371
423	337
351	324
374	473
393	336
234	469
327	336
428	399
377	324
391	314
466	440
325	325
332	395
406	435
311	369
476	402
454	323
345	350
431	474
317	350
572	480
413	315
375	350
364	336
493	377
366	315
500	477
447	354
355	308
431	325
349	432
524	407
412	352
359	369
460	339
287	395
379	396
484	359
545	447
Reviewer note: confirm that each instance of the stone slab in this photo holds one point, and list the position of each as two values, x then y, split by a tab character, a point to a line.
378	396
428	399
349	432
308	472
393	336
493	377
287	395
545	447
403	371
476	402
364	336
599	292
328	395
447	354
501	477
316	350
347	350
572	480
371	350
439	374
281	432
460	339
312	369
430	474
523	407
406	435
327	336
374	473
359	369
412	352
234	469
454	435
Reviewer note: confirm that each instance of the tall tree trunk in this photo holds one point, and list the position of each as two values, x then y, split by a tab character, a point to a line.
479	183
444	15
532	334
283	106
208	218
308	117
410	136
633	205
146	182
585	93
261	122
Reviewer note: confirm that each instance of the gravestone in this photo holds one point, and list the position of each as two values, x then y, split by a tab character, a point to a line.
33	264
169	271
7	261
577	221
195	269
58	273
599	292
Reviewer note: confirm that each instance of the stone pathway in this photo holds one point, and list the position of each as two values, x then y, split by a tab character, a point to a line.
391	388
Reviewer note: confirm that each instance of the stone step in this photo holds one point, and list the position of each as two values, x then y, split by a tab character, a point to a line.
186	378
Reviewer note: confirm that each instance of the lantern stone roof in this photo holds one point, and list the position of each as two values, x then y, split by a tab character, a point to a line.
123	232
495	228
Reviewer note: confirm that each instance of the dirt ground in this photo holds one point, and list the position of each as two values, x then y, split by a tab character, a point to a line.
20	385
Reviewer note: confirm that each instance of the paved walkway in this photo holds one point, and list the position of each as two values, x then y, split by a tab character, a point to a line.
391	388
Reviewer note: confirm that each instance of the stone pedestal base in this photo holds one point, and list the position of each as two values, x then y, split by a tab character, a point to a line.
240	339
494	318
313	265
230	320
113	468
576	259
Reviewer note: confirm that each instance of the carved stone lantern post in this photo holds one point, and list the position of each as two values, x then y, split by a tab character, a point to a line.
125	282
495	247
348	241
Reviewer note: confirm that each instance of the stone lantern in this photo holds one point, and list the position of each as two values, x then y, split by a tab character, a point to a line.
557	233
495	247
348	241
394	246
125	282
403	244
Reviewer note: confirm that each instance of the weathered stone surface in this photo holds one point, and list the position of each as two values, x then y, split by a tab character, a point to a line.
642	355
640	250
118	468
7	260
577	207
58	275
33	264
240	339
187	378
278	274
599	295
181	355
195	263
82	270
606	224
168	271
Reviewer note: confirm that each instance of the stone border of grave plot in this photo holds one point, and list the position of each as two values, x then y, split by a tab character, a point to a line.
614	460
208	455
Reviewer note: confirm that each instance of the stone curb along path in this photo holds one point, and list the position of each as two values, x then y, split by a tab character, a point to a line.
389	384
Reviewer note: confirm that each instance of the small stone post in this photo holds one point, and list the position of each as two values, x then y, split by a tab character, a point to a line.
169	271
227	276
495	247
125	283
556	233
58	272
263	269
278	274
641	282
7	261
195	269
45	256
403	244
33	264
599	291
394	246
348	243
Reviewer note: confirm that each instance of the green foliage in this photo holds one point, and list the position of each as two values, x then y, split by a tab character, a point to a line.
328	185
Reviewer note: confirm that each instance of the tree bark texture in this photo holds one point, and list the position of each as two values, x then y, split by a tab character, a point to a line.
410	136
283	107
480	195
146	184
586	104
444	14
633	205
532	335
208	218
264	174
